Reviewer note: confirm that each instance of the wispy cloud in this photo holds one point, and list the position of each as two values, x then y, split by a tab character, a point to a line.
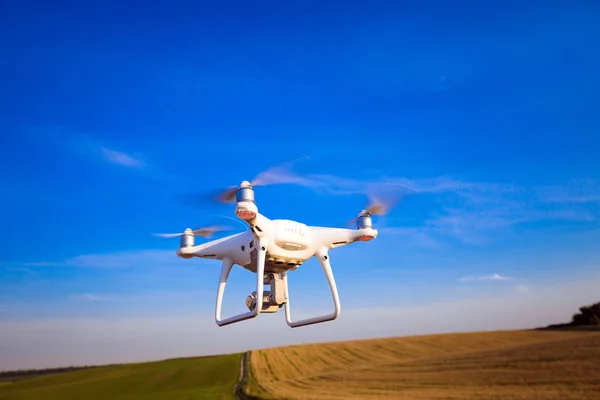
333	184
522	289
492	277
146	297
120	158
77	143
415	235
89	148
471	212
471	192
90	297
123	259
577	191
20	269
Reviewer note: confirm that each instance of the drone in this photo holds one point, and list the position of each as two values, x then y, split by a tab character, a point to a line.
271	249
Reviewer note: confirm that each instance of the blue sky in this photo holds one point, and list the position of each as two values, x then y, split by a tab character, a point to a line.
112	113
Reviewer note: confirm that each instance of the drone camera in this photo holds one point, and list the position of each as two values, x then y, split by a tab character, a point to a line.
268	305
273	299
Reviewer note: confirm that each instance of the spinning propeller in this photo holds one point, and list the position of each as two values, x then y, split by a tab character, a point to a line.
204	232
382	196
271	176
281	174
380	204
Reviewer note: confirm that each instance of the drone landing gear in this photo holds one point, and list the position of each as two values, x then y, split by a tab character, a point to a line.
260	272
270	301
323	258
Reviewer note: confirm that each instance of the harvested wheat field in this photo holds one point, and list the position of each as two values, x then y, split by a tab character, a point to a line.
491	365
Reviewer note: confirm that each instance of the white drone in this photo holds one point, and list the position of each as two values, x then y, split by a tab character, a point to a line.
270	249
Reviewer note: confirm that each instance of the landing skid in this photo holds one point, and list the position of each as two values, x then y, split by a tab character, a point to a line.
270	301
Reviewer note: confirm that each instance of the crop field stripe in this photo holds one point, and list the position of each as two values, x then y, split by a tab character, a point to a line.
502	364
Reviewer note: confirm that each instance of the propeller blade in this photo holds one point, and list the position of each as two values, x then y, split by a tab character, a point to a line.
281	174
272	176
380	203
167	235
227	196
380	207
211	230
204	232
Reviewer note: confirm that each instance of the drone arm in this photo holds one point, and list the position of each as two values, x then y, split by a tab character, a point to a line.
336	237
225	269
215	249
323	257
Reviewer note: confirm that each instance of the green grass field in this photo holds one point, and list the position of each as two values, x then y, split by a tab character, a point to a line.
177	379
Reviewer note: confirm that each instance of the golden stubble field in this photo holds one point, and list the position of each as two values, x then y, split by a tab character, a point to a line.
503	365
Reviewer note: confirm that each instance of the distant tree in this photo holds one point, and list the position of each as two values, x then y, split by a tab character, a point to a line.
587	315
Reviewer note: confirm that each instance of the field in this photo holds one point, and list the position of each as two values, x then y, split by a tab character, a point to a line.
491	365
544	364
185	378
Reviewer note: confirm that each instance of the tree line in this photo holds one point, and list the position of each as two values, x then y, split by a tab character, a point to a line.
29	373
588	316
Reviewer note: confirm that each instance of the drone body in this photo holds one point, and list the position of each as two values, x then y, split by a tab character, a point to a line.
271	249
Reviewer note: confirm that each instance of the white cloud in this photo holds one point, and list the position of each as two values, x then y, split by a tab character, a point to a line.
117	157
492	277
